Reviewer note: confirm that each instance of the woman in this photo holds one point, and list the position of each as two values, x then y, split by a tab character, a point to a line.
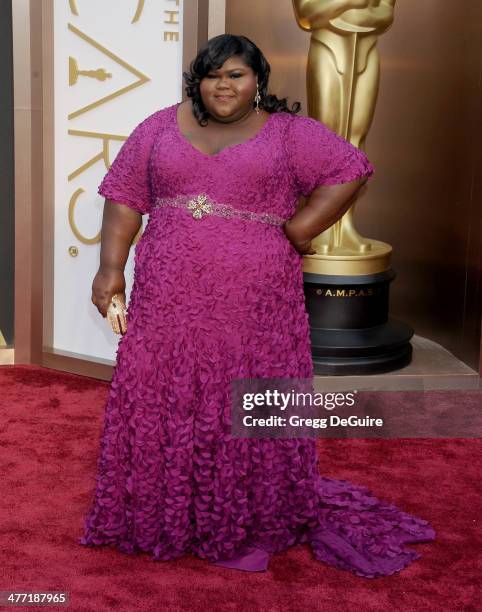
218	295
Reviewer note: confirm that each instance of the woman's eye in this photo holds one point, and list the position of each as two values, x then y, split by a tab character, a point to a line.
213	76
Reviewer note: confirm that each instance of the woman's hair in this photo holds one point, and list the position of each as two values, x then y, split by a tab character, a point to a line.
213	55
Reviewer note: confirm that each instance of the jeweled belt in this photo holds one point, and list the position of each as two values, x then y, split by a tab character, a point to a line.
201	205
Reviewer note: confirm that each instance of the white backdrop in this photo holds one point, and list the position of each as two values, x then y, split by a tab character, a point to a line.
140	45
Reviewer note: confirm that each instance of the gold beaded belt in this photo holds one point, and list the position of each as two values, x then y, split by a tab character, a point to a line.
202	205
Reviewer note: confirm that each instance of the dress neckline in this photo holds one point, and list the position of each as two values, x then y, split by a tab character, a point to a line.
229	147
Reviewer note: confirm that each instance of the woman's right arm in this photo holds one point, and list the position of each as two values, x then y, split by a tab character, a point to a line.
120	224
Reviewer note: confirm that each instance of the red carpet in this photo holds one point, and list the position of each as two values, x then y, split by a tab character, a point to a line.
50	428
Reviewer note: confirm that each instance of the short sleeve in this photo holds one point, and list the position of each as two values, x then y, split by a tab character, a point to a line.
128	179
319	156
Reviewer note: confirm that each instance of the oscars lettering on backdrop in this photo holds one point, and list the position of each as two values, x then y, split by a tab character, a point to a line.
101	74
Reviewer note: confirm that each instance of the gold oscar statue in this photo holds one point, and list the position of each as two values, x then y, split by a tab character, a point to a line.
100	74
343	73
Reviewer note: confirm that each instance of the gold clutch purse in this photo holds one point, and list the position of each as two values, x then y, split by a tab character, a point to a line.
116	315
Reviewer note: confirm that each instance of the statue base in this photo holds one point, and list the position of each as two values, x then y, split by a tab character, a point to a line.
350	330
361	351
364	256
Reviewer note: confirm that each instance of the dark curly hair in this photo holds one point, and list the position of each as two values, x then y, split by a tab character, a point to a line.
213	55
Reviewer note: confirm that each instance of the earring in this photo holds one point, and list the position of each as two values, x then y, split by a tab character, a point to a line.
257	98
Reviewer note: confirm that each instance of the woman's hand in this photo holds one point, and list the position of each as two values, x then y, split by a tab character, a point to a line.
107	282
302	246
305	248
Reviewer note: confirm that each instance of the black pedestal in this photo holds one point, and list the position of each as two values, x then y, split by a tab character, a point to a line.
350	330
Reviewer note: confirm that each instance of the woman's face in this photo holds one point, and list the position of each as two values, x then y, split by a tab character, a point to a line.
229	91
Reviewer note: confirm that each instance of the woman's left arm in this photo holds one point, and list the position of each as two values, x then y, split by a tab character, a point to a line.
328	171
326	204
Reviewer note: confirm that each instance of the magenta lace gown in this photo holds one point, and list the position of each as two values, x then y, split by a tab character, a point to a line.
216	298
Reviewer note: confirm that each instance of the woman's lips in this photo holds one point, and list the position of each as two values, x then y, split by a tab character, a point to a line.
224	98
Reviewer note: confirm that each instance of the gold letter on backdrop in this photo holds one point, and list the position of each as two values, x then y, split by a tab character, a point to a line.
142	78
140	7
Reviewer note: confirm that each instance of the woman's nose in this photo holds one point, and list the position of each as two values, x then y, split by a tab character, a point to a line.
223	83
